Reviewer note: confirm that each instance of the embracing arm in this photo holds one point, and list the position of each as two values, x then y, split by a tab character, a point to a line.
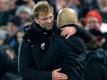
27	70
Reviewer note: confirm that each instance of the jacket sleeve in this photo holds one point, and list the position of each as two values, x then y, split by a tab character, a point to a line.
72	63
84	34
96	71
25	65
89	39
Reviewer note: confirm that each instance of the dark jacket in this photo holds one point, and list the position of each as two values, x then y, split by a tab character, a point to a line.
3	63
6	64
96	65
105	44
42	51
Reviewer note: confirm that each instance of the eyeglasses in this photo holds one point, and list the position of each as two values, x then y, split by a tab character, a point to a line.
46	18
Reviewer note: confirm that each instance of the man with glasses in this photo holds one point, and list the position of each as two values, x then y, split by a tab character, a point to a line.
37	60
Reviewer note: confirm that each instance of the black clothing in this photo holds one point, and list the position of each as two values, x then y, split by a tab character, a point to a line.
96	65
43	51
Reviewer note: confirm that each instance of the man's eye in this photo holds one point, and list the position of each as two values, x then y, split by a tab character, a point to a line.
44	18
51	17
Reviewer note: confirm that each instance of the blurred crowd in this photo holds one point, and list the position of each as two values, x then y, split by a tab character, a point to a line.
15	14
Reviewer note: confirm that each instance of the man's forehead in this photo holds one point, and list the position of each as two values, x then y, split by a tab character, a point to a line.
45	14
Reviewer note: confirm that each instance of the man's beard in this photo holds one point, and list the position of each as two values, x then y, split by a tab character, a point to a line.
47	27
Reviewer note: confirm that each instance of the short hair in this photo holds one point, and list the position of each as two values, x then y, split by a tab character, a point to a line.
66	16
42	6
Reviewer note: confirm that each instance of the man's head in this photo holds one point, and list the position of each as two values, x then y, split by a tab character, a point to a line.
3	5
66	16
25	13
43	15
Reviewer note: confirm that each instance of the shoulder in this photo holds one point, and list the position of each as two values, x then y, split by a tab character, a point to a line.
30	31
98	55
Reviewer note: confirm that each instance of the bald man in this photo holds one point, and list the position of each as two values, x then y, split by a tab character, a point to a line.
74	68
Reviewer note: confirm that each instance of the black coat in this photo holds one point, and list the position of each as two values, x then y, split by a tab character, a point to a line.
105	44
96	65
3	62
42	51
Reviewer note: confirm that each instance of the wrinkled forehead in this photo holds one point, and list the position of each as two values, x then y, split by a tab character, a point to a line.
45	14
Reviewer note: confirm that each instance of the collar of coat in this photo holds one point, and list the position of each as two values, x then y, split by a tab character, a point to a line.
34	31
